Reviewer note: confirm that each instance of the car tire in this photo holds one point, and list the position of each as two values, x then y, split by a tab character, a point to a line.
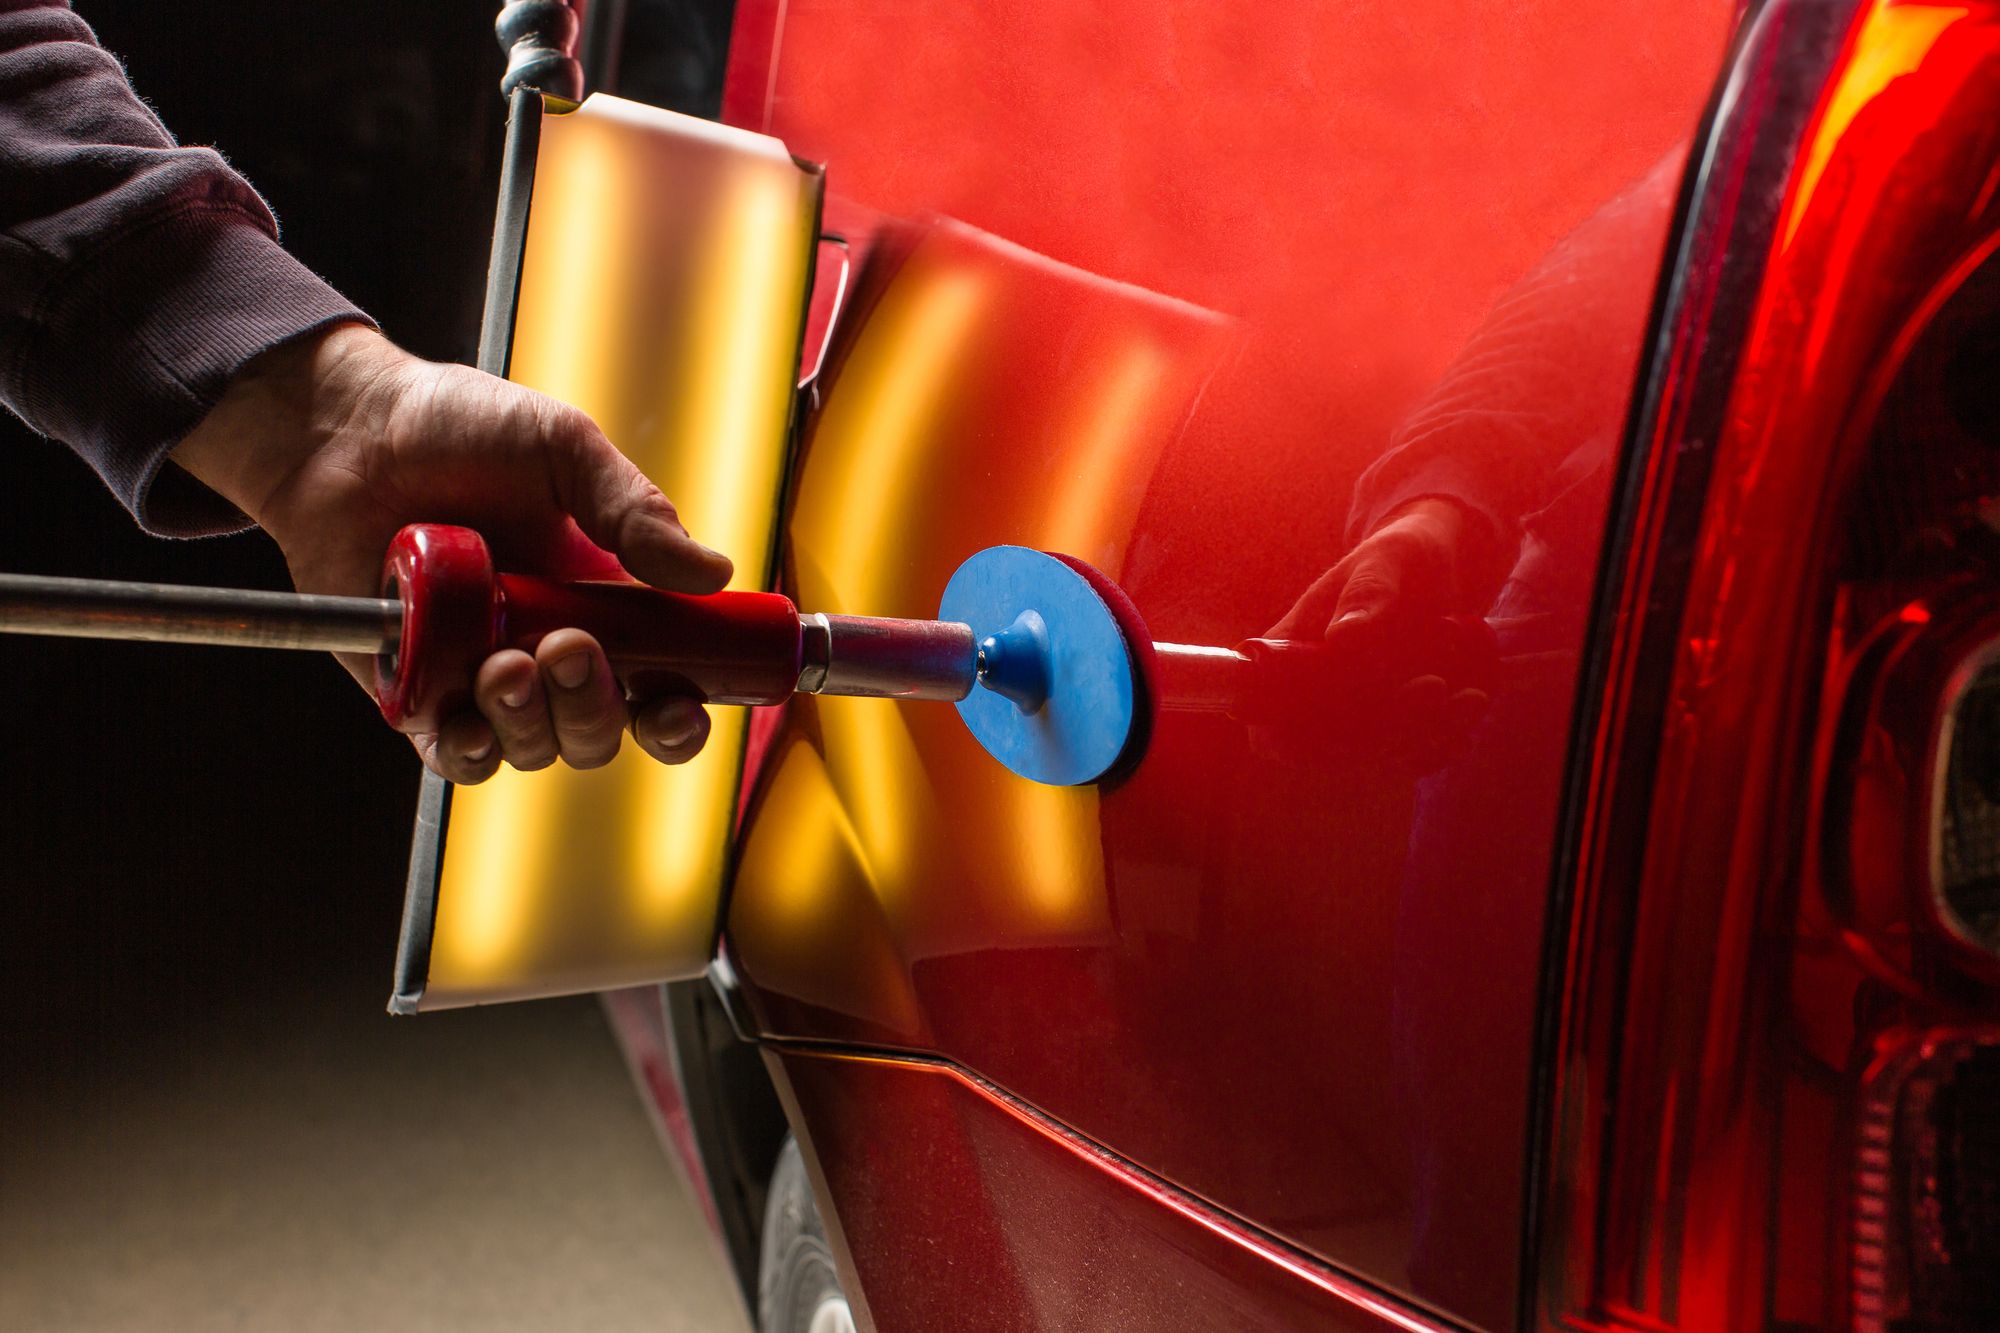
798	1288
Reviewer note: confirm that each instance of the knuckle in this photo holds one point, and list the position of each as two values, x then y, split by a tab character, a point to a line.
563	424
515	730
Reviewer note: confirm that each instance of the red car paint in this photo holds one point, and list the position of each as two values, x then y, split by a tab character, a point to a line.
1307	984
640	1026
1065	1236
1249	1037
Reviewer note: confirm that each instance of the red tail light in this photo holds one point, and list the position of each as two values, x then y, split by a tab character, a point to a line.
1924	1230
1773	1058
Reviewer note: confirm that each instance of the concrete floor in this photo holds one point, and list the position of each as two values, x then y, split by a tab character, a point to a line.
207	1121
309	1164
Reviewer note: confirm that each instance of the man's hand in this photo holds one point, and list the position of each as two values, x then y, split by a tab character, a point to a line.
1413	564
1383	607
333	443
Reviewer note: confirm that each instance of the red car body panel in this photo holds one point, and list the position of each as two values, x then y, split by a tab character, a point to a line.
1248	1035
1205	268
1035	1228
638	1021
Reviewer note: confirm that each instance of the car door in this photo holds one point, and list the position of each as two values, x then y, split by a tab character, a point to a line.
1272	315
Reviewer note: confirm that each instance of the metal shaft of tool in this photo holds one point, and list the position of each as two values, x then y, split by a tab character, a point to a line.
874	657
850	655
1199	679
169	613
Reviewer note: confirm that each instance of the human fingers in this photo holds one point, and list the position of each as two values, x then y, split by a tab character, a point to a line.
508	692
586	704
671	730
1466	709
1367	583
463	751
1408	565
1434	719
1308	616
1374	584
619	509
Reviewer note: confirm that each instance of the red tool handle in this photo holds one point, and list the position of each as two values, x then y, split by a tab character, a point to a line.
726	648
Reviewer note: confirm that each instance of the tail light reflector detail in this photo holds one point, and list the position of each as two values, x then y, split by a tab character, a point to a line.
1966	812
1926	1211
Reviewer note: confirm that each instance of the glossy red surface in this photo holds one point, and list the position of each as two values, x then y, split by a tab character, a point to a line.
638	1020
726	647
957	1208
443	576
1728	992
1211	296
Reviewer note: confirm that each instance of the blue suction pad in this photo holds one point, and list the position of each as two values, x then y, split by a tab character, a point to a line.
1056	698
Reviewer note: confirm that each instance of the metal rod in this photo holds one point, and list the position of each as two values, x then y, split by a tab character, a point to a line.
879	658
168	613
1199	679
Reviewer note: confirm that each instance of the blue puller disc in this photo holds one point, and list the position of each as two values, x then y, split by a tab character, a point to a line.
1055	701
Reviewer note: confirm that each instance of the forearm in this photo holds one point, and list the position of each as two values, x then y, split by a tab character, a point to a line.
137	277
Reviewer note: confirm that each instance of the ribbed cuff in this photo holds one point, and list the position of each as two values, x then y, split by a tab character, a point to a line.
138	343
1379	493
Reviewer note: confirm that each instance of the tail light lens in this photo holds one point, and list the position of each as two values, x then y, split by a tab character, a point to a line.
1775	1012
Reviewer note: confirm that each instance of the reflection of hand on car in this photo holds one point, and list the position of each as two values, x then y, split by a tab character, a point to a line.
332	443
1411	564
1400	672
1491	482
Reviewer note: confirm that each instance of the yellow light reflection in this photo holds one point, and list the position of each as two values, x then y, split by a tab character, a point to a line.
1893	41
1058	866
670	828
892	390
477	929
988	395
577	186
1091	514
805	903
862	484
662	291
875	761
820	851
731	363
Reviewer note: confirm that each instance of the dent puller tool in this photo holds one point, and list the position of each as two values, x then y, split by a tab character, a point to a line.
1032	653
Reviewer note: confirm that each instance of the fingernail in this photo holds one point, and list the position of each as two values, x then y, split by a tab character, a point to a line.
517	697
674	735
478	753
571	671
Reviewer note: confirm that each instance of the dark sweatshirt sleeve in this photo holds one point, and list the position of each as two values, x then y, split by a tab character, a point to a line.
1543	384
136	276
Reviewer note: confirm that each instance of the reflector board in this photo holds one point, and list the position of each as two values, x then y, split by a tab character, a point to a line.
664	264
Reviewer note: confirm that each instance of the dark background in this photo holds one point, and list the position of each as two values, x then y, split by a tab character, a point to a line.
206	1119
187	831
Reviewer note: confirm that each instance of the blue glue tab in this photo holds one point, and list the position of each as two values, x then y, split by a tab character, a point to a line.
1056	697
